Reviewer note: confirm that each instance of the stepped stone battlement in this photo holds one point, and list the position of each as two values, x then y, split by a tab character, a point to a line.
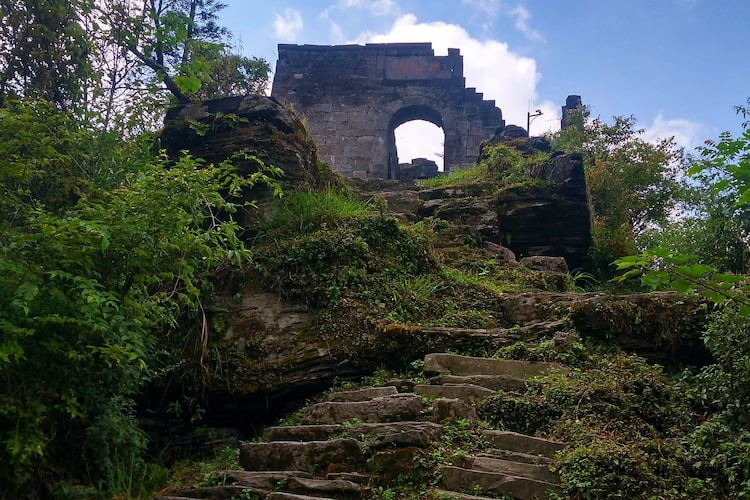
355	96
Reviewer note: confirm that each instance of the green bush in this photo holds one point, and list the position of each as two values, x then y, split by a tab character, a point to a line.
501	163
303	212
721	444
517	413
319	266
602	468
94	281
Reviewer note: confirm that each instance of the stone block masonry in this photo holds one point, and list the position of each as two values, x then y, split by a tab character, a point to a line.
354	97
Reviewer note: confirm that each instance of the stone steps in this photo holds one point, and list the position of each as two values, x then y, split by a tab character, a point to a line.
380	409
406	433
492	382
517	456
469	365
515	442
361	395
329	488
279	495
513	468
522	488
518	465
261	480
469	393
357	439
310	456
454	495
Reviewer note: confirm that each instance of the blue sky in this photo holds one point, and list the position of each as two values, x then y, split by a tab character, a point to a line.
679	66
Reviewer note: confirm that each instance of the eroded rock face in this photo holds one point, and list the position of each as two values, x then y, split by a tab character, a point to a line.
661	326
550	220
544	263
219	129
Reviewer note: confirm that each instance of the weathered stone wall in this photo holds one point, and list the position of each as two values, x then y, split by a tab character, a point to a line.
353	98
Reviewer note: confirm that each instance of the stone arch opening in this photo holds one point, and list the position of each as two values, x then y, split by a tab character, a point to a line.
417	112
420	139
355	96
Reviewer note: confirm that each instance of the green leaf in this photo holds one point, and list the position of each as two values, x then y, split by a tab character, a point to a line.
714	297
697	168
744	198
695	270
188	84
682	286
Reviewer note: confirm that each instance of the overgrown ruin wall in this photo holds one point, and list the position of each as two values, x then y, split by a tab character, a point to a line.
354	97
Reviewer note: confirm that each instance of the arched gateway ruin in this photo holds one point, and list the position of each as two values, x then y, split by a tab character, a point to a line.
355	96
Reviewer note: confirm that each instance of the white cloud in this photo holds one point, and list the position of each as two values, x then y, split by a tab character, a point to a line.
374	7
508	78
522	17
686	133
288	25
489	65
420	139
489	7
337	34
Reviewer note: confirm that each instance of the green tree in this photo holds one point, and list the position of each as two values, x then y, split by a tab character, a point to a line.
724	166
176	40
633	184
94	281
45	50
233	74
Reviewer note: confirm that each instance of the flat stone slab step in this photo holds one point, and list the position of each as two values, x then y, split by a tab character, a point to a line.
383	409
469	365
513	441
469	393
457	479
261	480
362	394
396	434
278	495
493	382
449	409
454	495
516	456
224	492
301	432
406	433
333	488
517	469
355	477
312	456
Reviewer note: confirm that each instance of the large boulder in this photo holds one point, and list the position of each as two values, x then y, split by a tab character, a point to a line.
419	168
241	129
553	218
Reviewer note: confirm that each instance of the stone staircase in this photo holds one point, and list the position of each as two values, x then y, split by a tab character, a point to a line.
356	441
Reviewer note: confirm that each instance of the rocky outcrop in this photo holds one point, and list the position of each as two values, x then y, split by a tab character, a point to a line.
244	130
553	219
419	168
270	359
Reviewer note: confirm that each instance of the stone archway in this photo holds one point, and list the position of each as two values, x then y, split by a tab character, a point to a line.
351	96
404	115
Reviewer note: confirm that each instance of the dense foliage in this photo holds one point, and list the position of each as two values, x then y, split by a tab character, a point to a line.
116	64
109	252
98	266
633	184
